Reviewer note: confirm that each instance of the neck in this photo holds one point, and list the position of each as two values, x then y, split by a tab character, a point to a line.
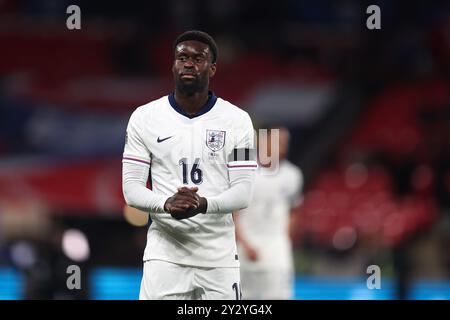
193	103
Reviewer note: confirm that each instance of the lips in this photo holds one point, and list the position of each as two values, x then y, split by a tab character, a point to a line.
188	76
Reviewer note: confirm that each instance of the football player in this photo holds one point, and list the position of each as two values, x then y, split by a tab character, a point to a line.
199	151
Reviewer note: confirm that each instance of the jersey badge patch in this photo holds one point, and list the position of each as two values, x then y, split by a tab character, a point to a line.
215	139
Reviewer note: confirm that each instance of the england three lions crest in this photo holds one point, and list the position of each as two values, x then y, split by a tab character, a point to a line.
215	139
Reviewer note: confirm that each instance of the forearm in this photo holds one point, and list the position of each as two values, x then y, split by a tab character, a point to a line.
293	223
237	197
238	232
136	194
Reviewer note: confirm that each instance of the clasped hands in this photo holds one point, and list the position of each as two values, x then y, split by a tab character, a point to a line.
185	203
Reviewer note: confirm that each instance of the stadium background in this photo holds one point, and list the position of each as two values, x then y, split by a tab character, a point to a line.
369	113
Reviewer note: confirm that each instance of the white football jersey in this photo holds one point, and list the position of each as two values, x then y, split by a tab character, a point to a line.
265	222
191	151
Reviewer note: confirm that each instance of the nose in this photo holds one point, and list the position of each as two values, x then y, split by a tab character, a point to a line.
189	63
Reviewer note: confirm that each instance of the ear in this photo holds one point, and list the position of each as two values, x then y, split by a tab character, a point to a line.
212	70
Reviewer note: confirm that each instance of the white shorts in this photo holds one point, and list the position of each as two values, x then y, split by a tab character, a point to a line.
267	284
164	280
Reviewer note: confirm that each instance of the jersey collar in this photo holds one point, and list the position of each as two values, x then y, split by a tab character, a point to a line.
204	109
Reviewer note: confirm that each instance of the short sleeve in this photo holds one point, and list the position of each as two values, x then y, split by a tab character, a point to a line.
135	150
243	155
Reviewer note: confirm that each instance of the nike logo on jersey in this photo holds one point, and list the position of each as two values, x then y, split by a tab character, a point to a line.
161	140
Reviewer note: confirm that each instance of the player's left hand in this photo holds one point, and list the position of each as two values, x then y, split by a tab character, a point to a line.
180	202
190	212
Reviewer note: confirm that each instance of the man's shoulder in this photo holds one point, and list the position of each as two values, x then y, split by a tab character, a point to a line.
157	103
145	110
291	168
232	110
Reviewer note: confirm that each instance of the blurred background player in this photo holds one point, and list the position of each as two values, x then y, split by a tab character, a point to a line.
264	229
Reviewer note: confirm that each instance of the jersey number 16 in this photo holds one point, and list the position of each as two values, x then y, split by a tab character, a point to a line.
196	172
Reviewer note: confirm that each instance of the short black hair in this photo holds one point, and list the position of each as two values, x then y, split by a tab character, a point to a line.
198	36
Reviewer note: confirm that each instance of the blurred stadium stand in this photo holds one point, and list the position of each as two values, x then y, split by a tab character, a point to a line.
369	113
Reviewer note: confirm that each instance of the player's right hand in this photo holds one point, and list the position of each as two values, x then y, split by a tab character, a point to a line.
183	204
180	202
183	211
